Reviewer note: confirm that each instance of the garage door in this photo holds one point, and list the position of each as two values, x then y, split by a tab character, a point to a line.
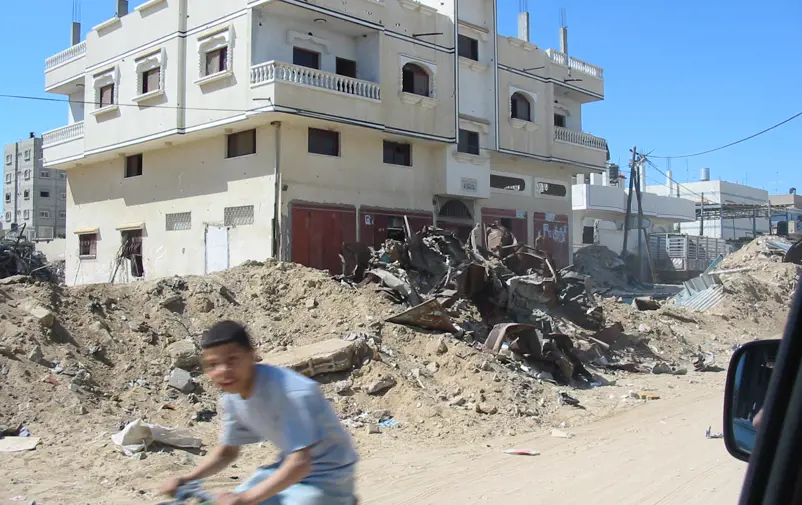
318	231
554	229
377	225
513	220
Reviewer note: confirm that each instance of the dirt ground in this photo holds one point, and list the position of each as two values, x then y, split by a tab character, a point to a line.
77	364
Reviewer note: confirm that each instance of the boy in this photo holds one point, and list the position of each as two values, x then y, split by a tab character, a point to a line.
262	402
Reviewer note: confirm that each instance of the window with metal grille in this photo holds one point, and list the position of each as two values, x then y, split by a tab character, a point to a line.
521	107
151	80
325	142
178	221
217	61
106	96
468	47
415	80
87	245
241	144
44	194
468	142
397	153
133	166
508	183
238	216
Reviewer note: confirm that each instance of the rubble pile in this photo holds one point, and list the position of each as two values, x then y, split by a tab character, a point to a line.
605	268
18	256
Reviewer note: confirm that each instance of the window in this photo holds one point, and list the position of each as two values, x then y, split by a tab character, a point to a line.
27	155
305	58
551	189
62	215
468	142
26	214
397	153
468	47
559	120
325	142
178	221
106	96
87	245
26	194
27	174
217	61
133	166
508	183
521	108
346	67
8	178
44	174
45	214
62	175
151	80
44	194
587	234
8	217
8	197
62	195
8	159
238	216
415	80
241	144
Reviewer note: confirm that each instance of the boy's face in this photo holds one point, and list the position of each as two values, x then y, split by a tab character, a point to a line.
230	367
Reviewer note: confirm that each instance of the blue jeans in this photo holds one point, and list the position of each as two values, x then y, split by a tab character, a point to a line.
303	493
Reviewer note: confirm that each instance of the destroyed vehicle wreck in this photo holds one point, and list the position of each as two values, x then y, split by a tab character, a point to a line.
525	307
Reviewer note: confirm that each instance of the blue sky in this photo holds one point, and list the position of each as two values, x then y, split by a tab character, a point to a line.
681	76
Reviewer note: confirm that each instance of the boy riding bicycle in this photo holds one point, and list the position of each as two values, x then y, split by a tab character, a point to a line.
261	402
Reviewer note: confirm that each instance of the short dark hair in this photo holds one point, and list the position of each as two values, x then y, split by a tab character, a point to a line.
226	332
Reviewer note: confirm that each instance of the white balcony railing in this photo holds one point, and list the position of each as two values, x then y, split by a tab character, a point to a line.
579	138
287	72
575	64
63	134
66	55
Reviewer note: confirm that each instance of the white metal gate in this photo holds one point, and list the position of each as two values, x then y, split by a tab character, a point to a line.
216	248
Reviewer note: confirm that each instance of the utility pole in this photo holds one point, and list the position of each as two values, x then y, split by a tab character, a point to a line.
629	201
14	224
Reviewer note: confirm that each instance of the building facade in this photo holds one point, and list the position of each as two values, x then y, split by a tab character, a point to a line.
203	134
34	197
600	209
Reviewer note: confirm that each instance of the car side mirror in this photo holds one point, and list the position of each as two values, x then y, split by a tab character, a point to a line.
747	386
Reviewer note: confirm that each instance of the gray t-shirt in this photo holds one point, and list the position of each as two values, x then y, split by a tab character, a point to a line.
290	411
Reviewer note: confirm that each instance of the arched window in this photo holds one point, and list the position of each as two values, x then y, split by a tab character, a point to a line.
521	107
414	79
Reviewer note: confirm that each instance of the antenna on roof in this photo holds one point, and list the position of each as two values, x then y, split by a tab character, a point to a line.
76	22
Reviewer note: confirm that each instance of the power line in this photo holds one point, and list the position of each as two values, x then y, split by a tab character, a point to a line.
736	142
68	101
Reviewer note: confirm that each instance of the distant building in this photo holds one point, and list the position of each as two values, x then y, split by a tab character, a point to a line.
730	211
786	208
33	197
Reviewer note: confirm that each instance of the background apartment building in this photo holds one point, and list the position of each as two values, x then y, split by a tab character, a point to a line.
34	197
202	134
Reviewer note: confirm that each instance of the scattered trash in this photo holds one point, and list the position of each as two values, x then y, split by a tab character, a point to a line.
566	399
522	452
709	433
138	435
388	423
561	434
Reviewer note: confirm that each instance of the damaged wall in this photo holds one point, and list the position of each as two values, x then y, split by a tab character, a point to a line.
195	178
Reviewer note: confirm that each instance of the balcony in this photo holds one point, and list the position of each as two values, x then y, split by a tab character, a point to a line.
575	64
579	147
63	144
590	78
611	202
65	70
311	89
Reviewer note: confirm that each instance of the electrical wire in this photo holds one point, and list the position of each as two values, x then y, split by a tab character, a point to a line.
68	101
733	143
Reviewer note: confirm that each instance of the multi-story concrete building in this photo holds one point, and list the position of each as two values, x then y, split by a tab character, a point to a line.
732	212
202	134
34	197
600	209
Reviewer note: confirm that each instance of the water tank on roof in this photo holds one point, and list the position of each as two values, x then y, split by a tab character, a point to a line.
704	174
